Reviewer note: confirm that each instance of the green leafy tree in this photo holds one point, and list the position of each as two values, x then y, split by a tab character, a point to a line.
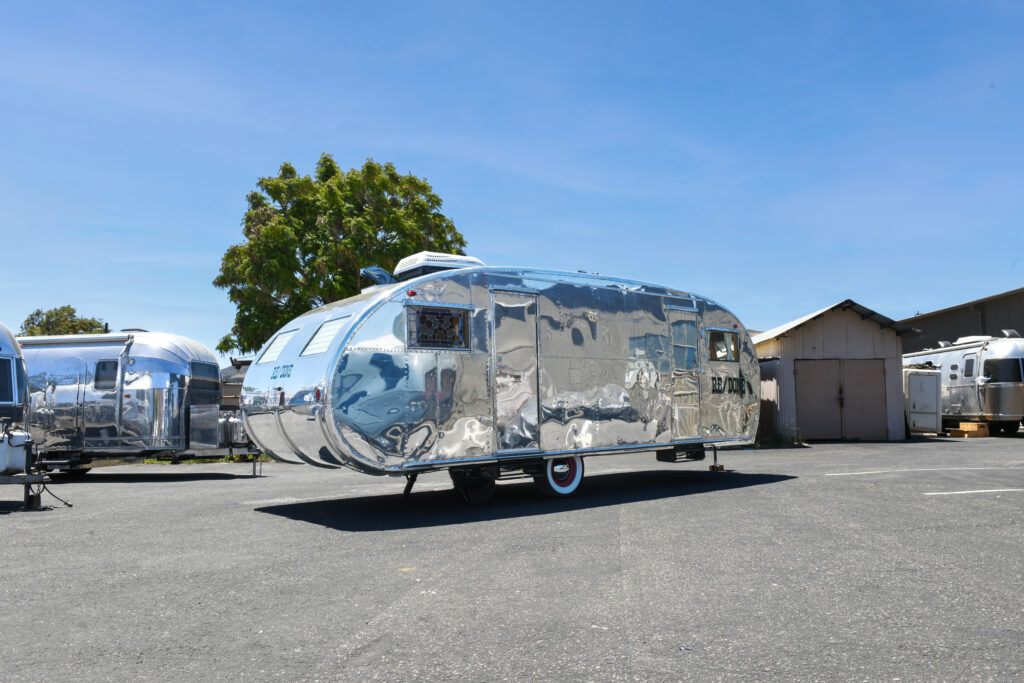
60	320
307	238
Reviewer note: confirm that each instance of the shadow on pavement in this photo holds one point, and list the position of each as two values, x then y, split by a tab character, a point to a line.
130	477
440	508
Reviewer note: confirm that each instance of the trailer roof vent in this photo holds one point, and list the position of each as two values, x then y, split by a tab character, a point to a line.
1011	333
431	262
972	339
944	344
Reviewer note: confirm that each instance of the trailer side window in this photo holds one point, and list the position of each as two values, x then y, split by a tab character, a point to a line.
969	366
6	381
106	375
438	328
276	347
723	346
320	341
1003	370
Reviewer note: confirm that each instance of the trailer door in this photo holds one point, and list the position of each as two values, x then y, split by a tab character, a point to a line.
59	423
685	374
514	359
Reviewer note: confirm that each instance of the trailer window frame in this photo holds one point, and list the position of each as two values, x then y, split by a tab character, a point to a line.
276	346
323	339
1001	363
970	360
414	311
101	378
732	352
7	380
204	376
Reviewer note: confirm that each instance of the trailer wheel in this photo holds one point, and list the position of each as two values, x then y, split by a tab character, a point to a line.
560	476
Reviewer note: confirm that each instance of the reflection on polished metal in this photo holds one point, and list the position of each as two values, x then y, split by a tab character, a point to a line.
479	364
982	378
96	398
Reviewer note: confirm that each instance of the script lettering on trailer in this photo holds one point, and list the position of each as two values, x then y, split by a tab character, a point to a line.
730	385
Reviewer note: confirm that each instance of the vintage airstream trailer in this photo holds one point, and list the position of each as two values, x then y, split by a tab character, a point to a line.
15	443
104	399
982	379
492	372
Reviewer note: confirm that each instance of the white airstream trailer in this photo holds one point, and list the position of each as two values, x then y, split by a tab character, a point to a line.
104	399
15	443
982	379
493	372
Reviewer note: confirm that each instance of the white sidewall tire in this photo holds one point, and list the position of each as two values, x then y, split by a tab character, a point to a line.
561	486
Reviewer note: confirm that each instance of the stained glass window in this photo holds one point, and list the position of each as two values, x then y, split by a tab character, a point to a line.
438	328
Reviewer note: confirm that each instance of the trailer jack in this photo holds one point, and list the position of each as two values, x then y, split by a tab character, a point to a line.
410	480
715	467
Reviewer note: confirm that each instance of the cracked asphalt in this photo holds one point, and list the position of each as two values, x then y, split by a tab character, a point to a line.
871	561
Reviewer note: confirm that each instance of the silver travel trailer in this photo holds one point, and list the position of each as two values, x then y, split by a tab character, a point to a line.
105	399
982	379
494	372
15	442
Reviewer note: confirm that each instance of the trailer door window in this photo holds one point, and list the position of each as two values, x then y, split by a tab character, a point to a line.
6	381
969	366
106	375
1003	370
276	347
438	328
723	345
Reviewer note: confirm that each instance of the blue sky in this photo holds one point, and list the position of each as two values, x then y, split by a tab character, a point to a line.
777	157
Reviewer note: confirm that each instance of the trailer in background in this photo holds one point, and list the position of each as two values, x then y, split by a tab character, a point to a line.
982	380
109	399
16	454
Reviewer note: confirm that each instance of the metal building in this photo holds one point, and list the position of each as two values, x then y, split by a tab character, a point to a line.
988	317
833	374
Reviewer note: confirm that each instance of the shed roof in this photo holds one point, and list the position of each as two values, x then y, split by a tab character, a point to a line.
967	304
846	305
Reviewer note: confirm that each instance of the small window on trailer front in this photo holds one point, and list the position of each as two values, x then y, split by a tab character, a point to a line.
106	375
723	346
205	377
969	366
320	341
276	347
6	381
433	327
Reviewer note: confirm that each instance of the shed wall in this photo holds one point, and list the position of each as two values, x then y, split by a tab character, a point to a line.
837	334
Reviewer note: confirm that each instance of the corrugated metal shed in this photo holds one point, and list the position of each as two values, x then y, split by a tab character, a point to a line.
835	374
987	316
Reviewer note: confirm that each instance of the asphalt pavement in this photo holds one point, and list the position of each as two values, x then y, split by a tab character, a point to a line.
873	561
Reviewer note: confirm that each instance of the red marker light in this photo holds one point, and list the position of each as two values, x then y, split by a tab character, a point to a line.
316	394
411	292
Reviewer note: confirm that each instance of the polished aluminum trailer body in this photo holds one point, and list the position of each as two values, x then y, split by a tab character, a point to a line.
486	365
98	398
14	440
982	379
